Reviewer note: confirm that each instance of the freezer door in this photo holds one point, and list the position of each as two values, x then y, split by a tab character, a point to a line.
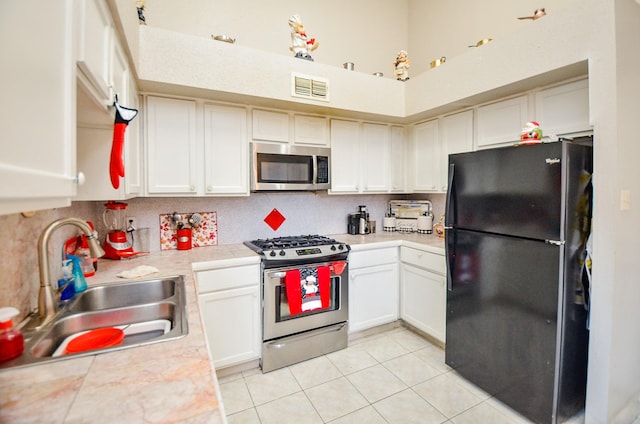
511	190
502	315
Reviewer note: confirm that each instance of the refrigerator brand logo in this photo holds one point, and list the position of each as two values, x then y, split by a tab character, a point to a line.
552	161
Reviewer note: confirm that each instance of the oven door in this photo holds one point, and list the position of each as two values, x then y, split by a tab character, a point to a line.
304	297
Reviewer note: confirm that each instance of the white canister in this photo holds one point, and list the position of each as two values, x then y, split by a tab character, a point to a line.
425	224
389	223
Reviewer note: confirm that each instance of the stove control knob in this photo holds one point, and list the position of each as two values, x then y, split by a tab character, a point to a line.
341	247
333	247
282	253
273	253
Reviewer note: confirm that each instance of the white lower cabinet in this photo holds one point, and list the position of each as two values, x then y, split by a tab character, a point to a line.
229	298
423	295
373	288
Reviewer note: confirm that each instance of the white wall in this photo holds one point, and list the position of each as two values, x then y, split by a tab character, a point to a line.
447	28
365	32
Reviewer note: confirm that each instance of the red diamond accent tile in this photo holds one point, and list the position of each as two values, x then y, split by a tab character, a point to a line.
274	219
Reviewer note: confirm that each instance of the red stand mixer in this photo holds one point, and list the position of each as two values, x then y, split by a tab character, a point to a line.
117	244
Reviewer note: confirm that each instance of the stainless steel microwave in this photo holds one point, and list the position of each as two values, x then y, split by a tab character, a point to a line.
285	167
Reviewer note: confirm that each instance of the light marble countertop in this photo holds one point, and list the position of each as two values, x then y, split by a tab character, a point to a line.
173	381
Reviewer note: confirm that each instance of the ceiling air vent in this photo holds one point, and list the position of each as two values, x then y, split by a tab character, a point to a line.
309	87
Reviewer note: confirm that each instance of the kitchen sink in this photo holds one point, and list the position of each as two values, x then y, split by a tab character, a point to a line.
122	295
148	311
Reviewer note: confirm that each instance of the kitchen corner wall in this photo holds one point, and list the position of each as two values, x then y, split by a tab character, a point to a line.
19	268
238	219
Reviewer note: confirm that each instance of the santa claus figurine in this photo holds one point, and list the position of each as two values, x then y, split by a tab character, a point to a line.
301	45
531	133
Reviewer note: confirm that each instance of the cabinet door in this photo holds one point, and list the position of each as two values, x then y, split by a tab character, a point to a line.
38	159
423	300
564	109
95	35
456	136
345	156
312	130
232	325
398	165
133	145
375	158
94	151
226	150
500	123
426	157
373	296
171	146
270	126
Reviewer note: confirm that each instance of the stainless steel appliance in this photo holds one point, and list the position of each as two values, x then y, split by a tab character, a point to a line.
286	167
358	223
517	224
407	213
305	298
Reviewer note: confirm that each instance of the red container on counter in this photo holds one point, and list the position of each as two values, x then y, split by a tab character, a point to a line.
185	236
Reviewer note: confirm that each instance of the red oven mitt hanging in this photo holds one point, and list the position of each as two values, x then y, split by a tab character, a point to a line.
124	115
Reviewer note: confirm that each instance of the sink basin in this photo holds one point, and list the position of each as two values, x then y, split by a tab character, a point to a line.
122	295
148	311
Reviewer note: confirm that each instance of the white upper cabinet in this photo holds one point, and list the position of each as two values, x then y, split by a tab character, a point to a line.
375	158
563	110
398	154
313	130
95	49
270	126
456	136
287	127
226	150
345	156
426	157
196	149
38	160
171	146
500	123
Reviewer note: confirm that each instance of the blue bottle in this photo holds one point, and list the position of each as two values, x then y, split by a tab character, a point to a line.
79	283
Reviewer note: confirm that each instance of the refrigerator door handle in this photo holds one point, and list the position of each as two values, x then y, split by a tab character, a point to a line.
555	242
449	256
450	188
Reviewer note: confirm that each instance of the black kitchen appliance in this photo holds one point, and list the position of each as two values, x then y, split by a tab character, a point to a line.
517	223
305	298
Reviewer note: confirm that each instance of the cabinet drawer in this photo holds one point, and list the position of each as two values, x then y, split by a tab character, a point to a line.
422	259
227	278
374	257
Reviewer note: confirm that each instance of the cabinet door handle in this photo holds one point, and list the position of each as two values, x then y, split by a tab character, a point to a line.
80	178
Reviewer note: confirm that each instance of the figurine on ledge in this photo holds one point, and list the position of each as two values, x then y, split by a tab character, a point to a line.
401	66
301	45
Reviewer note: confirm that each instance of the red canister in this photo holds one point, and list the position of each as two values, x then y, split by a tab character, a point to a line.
184	238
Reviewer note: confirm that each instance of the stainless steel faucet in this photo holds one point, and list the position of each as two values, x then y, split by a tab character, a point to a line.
47	302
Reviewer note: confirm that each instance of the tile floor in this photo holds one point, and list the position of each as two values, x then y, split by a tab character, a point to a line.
390	376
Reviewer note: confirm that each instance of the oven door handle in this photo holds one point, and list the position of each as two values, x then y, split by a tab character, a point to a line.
334	328
277	274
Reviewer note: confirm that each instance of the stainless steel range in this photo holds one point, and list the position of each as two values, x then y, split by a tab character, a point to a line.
304	298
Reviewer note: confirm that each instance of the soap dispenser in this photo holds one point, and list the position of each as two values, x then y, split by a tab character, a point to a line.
11	340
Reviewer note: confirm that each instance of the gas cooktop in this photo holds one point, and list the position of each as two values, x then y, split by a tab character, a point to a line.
308	248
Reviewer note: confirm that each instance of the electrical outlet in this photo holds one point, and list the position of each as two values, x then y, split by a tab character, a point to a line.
132	223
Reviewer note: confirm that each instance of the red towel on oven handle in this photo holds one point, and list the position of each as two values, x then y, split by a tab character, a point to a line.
324	284
294	291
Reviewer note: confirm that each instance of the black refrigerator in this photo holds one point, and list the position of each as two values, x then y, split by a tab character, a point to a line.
517	222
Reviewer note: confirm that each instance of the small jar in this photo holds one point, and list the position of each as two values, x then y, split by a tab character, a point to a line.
185	236
11	340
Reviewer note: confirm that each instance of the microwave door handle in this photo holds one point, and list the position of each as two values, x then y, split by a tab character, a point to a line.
315	169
